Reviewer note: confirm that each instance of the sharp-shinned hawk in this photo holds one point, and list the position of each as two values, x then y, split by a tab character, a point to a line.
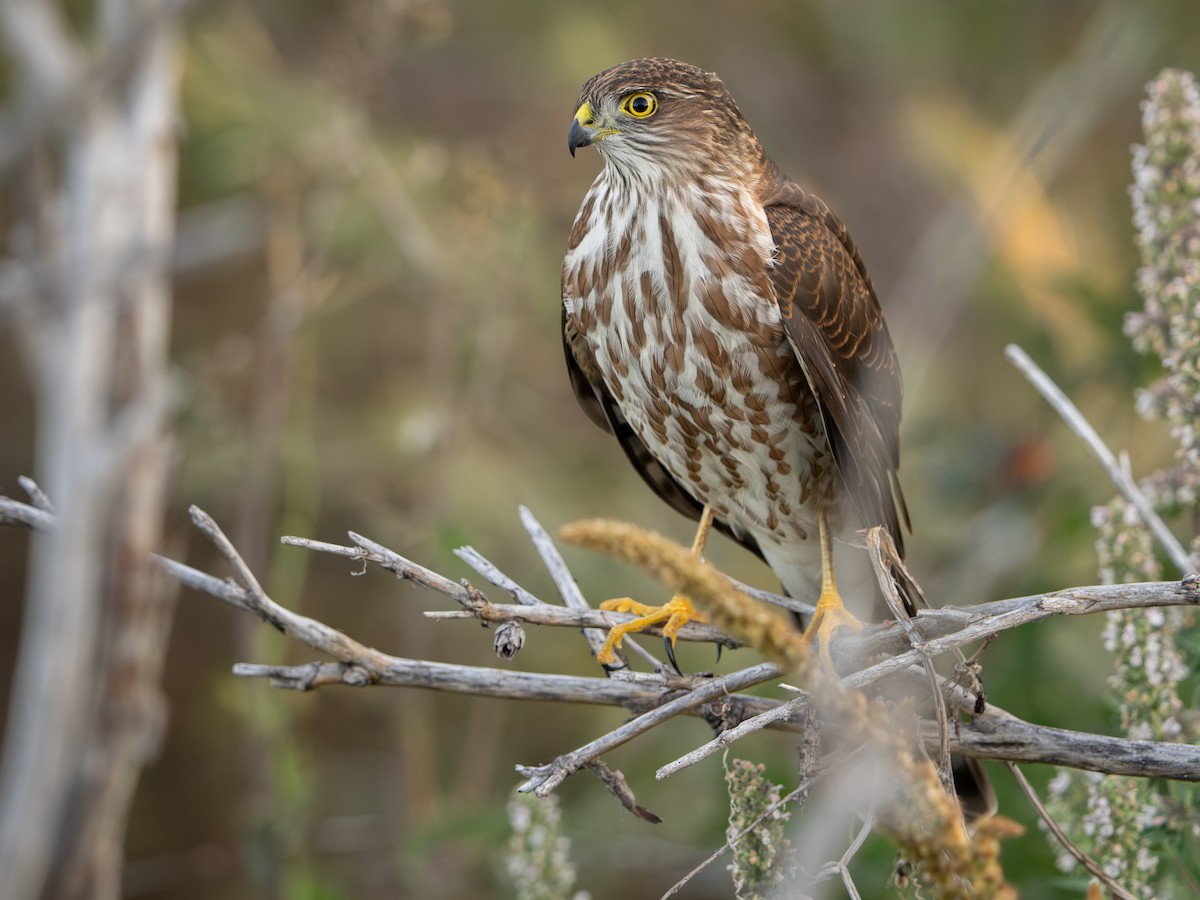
719	321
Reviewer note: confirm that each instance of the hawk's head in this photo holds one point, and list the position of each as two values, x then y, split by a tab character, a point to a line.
649	114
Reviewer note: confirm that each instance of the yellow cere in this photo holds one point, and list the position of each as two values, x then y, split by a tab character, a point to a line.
584	116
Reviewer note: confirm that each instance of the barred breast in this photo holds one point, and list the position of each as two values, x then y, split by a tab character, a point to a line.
672	296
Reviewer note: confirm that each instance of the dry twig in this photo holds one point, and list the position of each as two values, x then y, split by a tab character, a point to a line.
1122	479
1094	868
995	734
544	779
888	566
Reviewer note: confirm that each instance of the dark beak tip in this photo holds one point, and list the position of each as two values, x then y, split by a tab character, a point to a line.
578	137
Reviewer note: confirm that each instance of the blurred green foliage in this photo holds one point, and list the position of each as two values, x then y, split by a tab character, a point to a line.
538	861
1147	832
757	822
374	201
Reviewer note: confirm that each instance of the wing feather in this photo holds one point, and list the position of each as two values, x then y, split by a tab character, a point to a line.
836	327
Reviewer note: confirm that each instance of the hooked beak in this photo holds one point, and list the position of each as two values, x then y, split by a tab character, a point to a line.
579	136
582	133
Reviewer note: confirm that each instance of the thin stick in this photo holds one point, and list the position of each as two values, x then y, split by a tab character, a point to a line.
783	712
879	546
473	603
225	547
1094	868
780	713
843	864
404	569
542	780
561	576
789	603
478	681
14	512
222	589
978	630
619	788
546	614
1125	484
1078	601
315	634
36	495
488	570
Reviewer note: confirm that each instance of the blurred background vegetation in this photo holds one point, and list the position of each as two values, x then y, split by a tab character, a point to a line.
374	201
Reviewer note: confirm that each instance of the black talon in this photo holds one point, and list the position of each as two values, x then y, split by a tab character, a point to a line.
614	668
719	648
671	655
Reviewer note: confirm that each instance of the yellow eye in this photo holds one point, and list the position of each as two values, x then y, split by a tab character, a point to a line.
640	105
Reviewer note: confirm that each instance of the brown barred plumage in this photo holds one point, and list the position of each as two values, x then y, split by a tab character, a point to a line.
719	320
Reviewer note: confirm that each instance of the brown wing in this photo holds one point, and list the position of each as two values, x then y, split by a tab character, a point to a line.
601	407
836	326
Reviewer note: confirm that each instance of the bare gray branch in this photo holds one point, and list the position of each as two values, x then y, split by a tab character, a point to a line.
1122	479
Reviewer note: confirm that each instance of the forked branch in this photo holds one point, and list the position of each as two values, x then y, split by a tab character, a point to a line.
995	734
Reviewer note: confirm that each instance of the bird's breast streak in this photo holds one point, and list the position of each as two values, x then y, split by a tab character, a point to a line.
696	358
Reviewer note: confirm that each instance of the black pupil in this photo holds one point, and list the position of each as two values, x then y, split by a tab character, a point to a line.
640	104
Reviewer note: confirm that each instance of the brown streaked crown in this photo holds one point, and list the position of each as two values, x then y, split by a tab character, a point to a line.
693	104
654	74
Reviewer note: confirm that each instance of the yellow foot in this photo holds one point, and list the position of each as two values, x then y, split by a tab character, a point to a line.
676	613
831	615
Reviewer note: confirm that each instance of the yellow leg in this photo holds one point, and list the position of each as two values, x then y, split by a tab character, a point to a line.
677	612
706	519
831	613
